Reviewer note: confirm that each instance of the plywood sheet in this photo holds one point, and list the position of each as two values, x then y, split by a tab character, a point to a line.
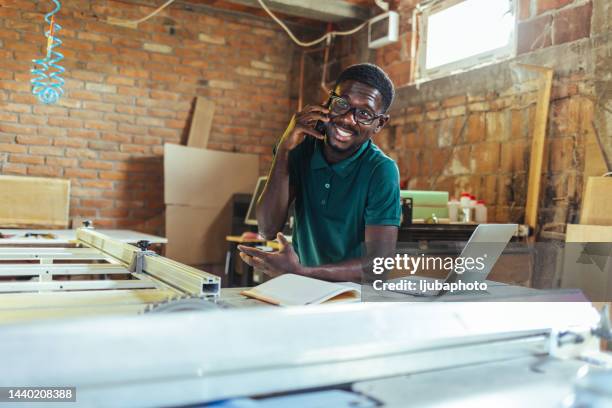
199	131
34	201
196	235
588	261
596	202
588	233
206	178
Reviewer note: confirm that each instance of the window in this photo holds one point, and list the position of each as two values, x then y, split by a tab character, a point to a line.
459	34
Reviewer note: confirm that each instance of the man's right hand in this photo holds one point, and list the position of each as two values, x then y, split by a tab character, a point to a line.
302	124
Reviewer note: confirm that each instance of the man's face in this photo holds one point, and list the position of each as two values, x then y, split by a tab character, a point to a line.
344	133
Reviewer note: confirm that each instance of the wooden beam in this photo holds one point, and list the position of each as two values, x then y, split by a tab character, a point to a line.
538	143
322	10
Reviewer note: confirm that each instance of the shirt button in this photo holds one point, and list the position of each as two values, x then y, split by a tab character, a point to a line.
326	185
322	201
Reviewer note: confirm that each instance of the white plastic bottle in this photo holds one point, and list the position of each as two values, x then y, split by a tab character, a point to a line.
480	212
453	210
464	199
466	213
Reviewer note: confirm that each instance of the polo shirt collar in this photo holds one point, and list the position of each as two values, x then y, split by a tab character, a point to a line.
342	168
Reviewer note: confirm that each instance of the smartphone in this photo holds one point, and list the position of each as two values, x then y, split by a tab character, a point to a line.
320	126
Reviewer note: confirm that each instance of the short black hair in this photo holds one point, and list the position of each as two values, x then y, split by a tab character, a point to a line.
373	76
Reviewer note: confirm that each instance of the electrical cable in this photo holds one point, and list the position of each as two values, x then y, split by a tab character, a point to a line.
142	20
47	85
327	36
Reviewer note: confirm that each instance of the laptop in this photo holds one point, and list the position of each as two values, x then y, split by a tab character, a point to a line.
251	218
495	236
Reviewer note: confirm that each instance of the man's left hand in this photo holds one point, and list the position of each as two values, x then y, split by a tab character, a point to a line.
272	263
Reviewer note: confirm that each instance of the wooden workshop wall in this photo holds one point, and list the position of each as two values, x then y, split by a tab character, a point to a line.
130	91
472	131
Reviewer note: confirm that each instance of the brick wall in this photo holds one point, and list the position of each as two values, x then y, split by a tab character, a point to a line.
472	131
130	91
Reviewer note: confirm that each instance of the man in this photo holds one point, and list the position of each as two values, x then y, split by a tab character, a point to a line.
346	190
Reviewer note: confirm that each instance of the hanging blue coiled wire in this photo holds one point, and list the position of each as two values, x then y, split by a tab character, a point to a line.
47	83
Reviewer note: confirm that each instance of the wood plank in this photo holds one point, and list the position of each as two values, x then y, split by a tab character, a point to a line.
594	158
596	202
588	233
538	143
13	301
327	10
34	201
24	315
201	123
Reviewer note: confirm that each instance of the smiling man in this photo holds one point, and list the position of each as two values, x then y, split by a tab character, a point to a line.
346	190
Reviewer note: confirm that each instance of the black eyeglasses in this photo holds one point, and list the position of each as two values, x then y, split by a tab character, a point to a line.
339	106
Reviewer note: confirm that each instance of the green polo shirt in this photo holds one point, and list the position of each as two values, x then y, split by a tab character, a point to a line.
334	203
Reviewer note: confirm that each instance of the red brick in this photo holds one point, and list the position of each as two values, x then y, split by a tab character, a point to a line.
133	148
69	142
97	203
113	175
62	162
86	95
573	24
32	120
114	212
524	9
46	171
47	150
65	122
26	159
136	130
545	5
119	80
34	140
50	110
9	168
80	173
17	129
87	76
116	137
97	184
100	125
534	34
98	106
100	165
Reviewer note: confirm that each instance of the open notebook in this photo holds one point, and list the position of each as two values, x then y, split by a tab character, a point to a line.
295	290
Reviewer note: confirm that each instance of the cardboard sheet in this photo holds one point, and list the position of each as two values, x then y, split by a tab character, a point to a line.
198	188
34	201
196	235
596	201
206	178
201	123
